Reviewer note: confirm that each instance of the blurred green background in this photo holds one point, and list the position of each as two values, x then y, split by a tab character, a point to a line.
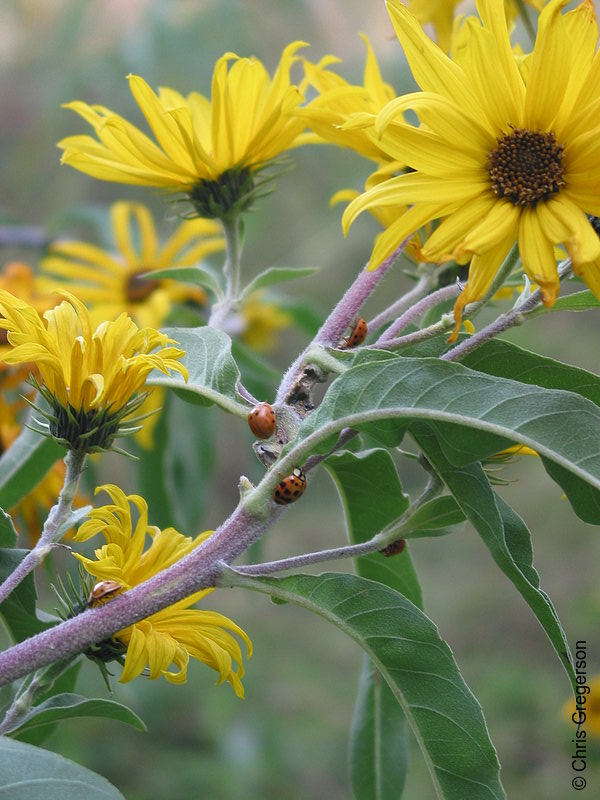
288	738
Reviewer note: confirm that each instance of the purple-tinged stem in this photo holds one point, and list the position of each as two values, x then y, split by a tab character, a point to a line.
392	312
509	320
75	464
340	318
196	571
413	313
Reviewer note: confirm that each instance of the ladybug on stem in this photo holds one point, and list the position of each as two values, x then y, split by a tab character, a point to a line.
394	548
358	334
262	421
102	590
289	489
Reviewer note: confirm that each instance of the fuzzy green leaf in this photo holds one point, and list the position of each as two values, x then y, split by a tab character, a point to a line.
372	498
434	518
30	773
505	535
213	373
378	746
418	666
69	706
19	608
274	275
8	534
578	301
475	415
24	465
197	275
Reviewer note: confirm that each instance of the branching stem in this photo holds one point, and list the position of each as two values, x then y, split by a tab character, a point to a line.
75	464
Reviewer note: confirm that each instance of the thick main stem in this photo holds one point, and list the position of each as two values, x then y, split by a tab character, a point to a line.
198	570
75	463
340	318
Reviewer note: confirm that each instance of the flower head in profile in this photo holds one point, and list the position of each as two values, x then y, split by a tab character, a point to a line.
110	283
209	149
499	158
90	378
163	643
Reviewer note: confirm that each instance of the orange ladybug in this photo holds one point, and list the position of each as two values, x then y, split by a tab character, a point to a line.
358	334
262	421
290	488
394	548
102	590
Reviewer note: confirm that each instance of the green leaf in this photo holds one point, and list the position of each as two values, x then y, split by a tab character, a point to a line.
505	535
434	518
372	498
213	373
418	666
507	360
30	773
378	745
69	706
475	415
19	608
76	516
578	301
24	465
274	275
197	275
8	534
64	683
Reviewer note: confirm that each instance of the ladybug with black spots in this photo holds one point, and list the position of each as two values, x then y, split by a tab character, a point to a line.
291	488
358	333
262	421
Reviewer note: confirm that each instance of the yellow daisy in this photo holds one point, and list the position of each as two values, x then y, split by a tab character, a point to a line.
209	149
173	635
498	159
90	378
109	284
339	101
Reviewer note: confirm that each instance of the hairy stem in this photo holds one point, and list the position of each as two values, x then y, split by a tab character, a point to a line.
412	314
515	316
231	270
75	464
198	570
422	287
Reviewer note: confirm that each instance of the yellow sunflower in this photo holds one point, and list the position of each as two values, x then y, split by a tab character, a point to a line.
173	635
208	149
498	159
90	378
109	284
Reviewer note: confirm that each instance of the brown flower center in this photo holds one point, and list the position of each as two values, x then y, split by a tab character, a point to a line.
139	288
527	166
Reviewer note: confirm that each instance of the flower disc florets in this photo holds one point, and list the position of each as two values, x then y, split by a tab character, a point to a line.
527	166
